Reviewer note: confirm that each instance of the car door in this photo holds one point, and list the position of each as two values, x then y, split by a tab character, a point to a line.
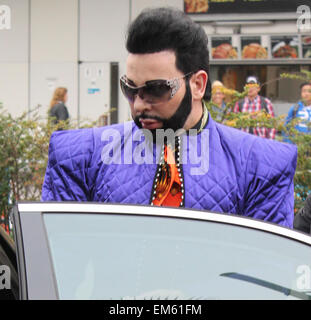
105	251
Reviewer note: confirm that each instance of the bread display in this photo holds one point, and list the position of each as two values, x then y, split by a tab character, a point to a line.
306	45
195	6
254	51
283	50
224	51
256	47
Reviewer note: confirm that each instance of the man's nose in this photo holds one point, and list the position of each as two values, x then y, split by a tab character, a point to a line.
140	105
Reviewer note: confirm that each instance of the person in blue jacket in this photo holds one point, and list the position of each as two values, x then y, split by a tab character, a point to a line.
302	110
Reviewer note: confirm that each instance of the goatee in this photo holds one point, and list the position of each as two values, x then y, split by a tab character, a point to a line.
177	120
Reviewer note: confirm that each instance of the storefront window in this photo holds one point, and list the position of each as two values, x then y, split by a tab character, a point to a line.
282	92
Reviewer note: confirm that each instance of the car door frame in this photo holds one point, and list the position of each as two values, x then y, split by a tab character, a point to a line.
38	281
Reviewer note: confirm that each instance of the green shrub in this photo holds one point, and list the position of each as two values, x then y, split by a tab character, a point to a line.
302	179
23	157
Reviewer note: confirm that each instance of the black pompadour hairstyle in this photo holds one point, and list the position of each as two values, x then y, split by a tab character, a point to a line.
160	29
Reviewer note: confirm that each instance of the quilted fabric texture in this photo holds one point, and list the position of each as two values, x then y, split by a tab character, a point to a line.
241	174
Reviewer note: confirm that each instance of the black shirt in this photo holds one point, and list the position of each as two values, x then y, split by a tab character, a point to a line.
302	220
59	112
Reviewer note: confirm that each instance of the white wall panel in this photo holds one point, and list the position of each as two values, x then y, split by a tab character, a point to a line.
124	108
54	30
278	27
45	77
14	53
14	41
139	5
54	52
94	90
14	87
103	26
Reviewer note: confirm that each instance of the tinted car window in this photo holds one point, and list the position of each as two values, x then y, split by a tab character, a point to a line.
134	257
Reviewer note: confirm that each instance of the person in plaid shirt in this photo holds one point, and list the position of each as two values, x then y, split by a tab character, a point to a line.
253	102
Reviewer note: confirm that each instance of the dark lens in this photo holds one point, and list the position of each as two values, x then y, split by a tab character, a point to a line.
157	92
128	92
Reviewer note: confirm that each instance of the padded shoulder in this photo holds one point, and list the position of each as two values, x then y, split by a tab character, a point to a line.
66	178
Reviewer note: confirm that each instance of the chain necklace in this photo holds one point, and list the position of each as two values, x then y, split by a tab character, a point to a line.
162	182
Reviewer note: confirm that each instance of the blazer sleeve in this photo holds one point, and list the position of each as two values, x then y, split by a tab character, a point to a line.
66	177
269	185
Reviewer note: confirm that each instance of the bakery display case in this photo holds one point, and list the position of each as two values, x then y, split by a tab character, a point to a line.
306	46
284	47
260	49
240	6
256	37
251	48
222	48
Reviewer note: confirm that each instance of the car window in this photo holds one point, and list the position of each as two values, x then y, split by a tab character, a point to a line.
101	256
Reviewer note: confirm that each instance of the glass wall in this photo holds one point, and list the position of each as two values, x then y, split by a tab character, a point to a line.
282	92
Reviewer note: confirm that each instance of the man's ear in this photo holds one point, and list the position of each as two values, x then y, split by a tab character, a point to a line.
198	84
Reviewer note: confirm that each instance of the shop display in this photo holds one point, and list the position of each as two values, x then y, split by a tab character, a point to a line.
196	6
222	48
252	49
261	47
284	47
306	46
241	6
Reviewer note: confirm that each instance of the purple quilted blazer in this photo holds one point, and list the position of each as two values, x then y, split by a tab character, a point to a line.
242	174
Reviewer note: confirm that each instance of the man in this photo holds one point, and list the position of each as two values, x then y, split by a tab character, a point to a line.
302	221
302	110
205	166
217	107
253	102
218	94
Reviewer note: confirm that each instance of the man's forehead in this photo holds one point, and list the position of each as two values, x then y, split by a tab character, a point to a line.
150	66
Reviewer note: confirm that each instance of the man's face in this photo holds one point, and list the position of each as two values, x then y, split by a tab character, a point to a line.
154	66
306	94
218	95
252	89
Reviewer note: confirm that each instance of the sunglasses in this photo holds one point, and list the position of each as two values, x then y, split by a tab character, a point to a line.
153	91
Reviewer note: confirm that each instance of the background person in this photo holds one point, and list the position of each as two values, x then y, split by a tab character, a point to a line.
218	94
58	110
218	103
302	221
302	110
253	102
